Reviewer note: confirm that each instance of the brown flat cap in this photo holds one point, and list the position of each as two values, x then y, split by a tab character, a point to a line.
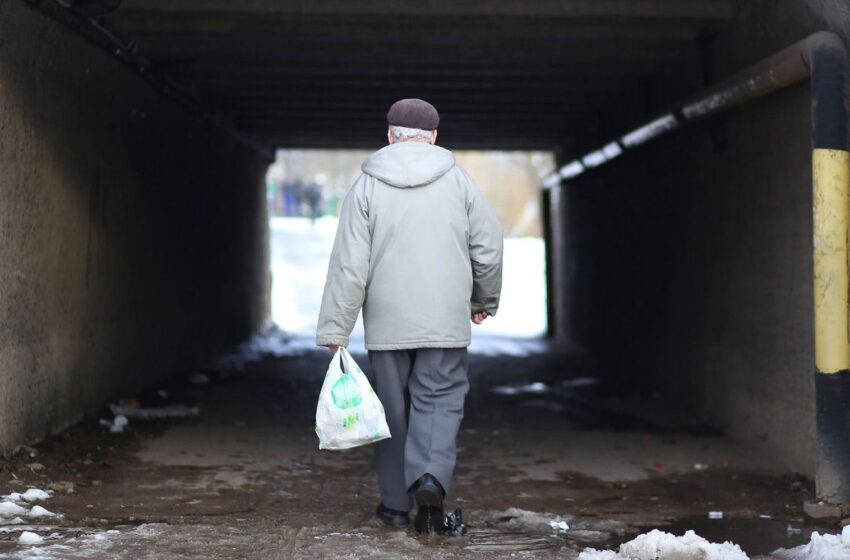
413	113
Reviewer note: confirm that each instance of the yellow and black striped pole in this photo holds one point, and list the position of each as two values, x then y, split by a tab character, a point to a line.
831	213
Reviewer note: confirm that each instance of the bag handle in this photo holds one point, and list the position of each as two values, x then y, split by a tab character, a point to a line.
345	360
342	360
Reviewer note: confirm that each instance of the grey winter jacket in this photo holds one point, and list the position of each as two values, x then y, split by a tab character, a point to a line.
417	247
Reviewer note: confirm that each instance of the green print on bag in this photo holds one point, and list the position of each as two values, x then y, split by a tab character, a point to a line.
350	421
346	392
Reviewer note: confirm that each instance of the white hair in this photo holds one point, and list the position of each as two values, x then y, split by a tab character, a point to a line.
404	134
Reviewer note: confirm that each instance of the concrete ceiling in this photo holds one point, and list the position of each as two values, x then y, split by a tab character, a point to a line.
322	73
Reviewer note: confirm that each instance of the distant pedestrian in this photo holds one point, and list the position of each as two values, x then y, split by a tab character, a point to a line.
298	197
420	250
313	196
290	202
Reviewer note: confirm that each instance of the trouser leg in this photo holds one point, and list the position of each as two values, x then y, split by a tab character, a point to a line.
438	385
391	370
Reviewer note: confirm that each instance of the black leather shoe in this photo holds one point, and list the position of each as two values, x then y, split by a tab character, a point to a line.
392	517
429	496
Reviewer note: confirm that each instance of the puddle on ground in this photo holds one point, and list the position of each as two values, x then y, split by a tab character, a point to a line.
756	536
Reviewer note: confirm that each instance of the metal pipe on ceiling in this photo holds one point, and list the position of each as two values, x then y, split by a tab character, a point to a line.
785	68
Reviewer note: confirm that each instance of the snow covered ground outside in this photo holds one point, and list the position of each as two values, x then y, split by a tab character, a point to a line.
299	260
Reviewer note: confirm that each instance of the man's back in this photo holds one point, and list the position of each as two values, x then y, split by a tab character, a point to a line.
418	236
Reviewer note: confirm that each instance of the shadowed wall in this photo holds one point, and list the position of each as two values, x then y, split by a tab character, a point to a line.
693	255
133	235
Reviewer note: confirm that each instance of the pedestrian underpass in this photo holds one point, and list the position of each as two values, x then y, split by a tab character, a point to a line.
689	370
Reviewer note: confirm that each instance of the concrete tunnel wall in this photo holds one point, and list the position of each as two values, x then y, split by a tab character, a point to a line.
692	256
133	235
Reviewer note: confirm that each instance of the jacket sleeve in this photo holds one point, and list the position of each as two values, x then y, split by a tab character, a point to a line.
345	287
485	252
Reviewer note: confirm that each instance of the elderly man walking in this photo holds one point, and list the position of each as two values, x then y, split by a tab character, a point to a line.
420	250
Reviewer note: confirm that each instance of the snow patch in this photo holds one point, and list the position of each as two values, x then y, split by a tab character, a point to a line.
8	509
29	538
658	544
820	547
35	494
31	495
593	554
559	526
38	511
89	545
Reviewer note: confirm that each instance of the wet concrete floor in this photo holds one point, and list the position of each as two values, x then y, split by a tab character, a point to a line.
542	442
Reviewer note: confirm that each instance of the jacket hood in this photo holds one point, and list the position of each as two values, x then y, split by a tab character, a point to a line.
409	164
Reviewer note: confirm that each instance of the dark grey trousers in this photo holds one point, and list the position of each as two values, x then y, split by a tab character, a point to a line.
422	391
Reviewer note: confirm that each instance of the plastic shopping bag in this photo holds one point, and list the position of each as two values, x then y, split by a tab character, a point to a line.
349	413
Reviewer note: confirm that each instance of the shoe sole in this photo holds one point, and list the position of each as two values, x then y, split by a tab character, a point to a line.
429	518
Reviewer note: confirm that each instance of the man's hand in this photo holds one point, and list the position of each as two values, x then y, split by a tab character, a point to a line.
478	318
333	348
